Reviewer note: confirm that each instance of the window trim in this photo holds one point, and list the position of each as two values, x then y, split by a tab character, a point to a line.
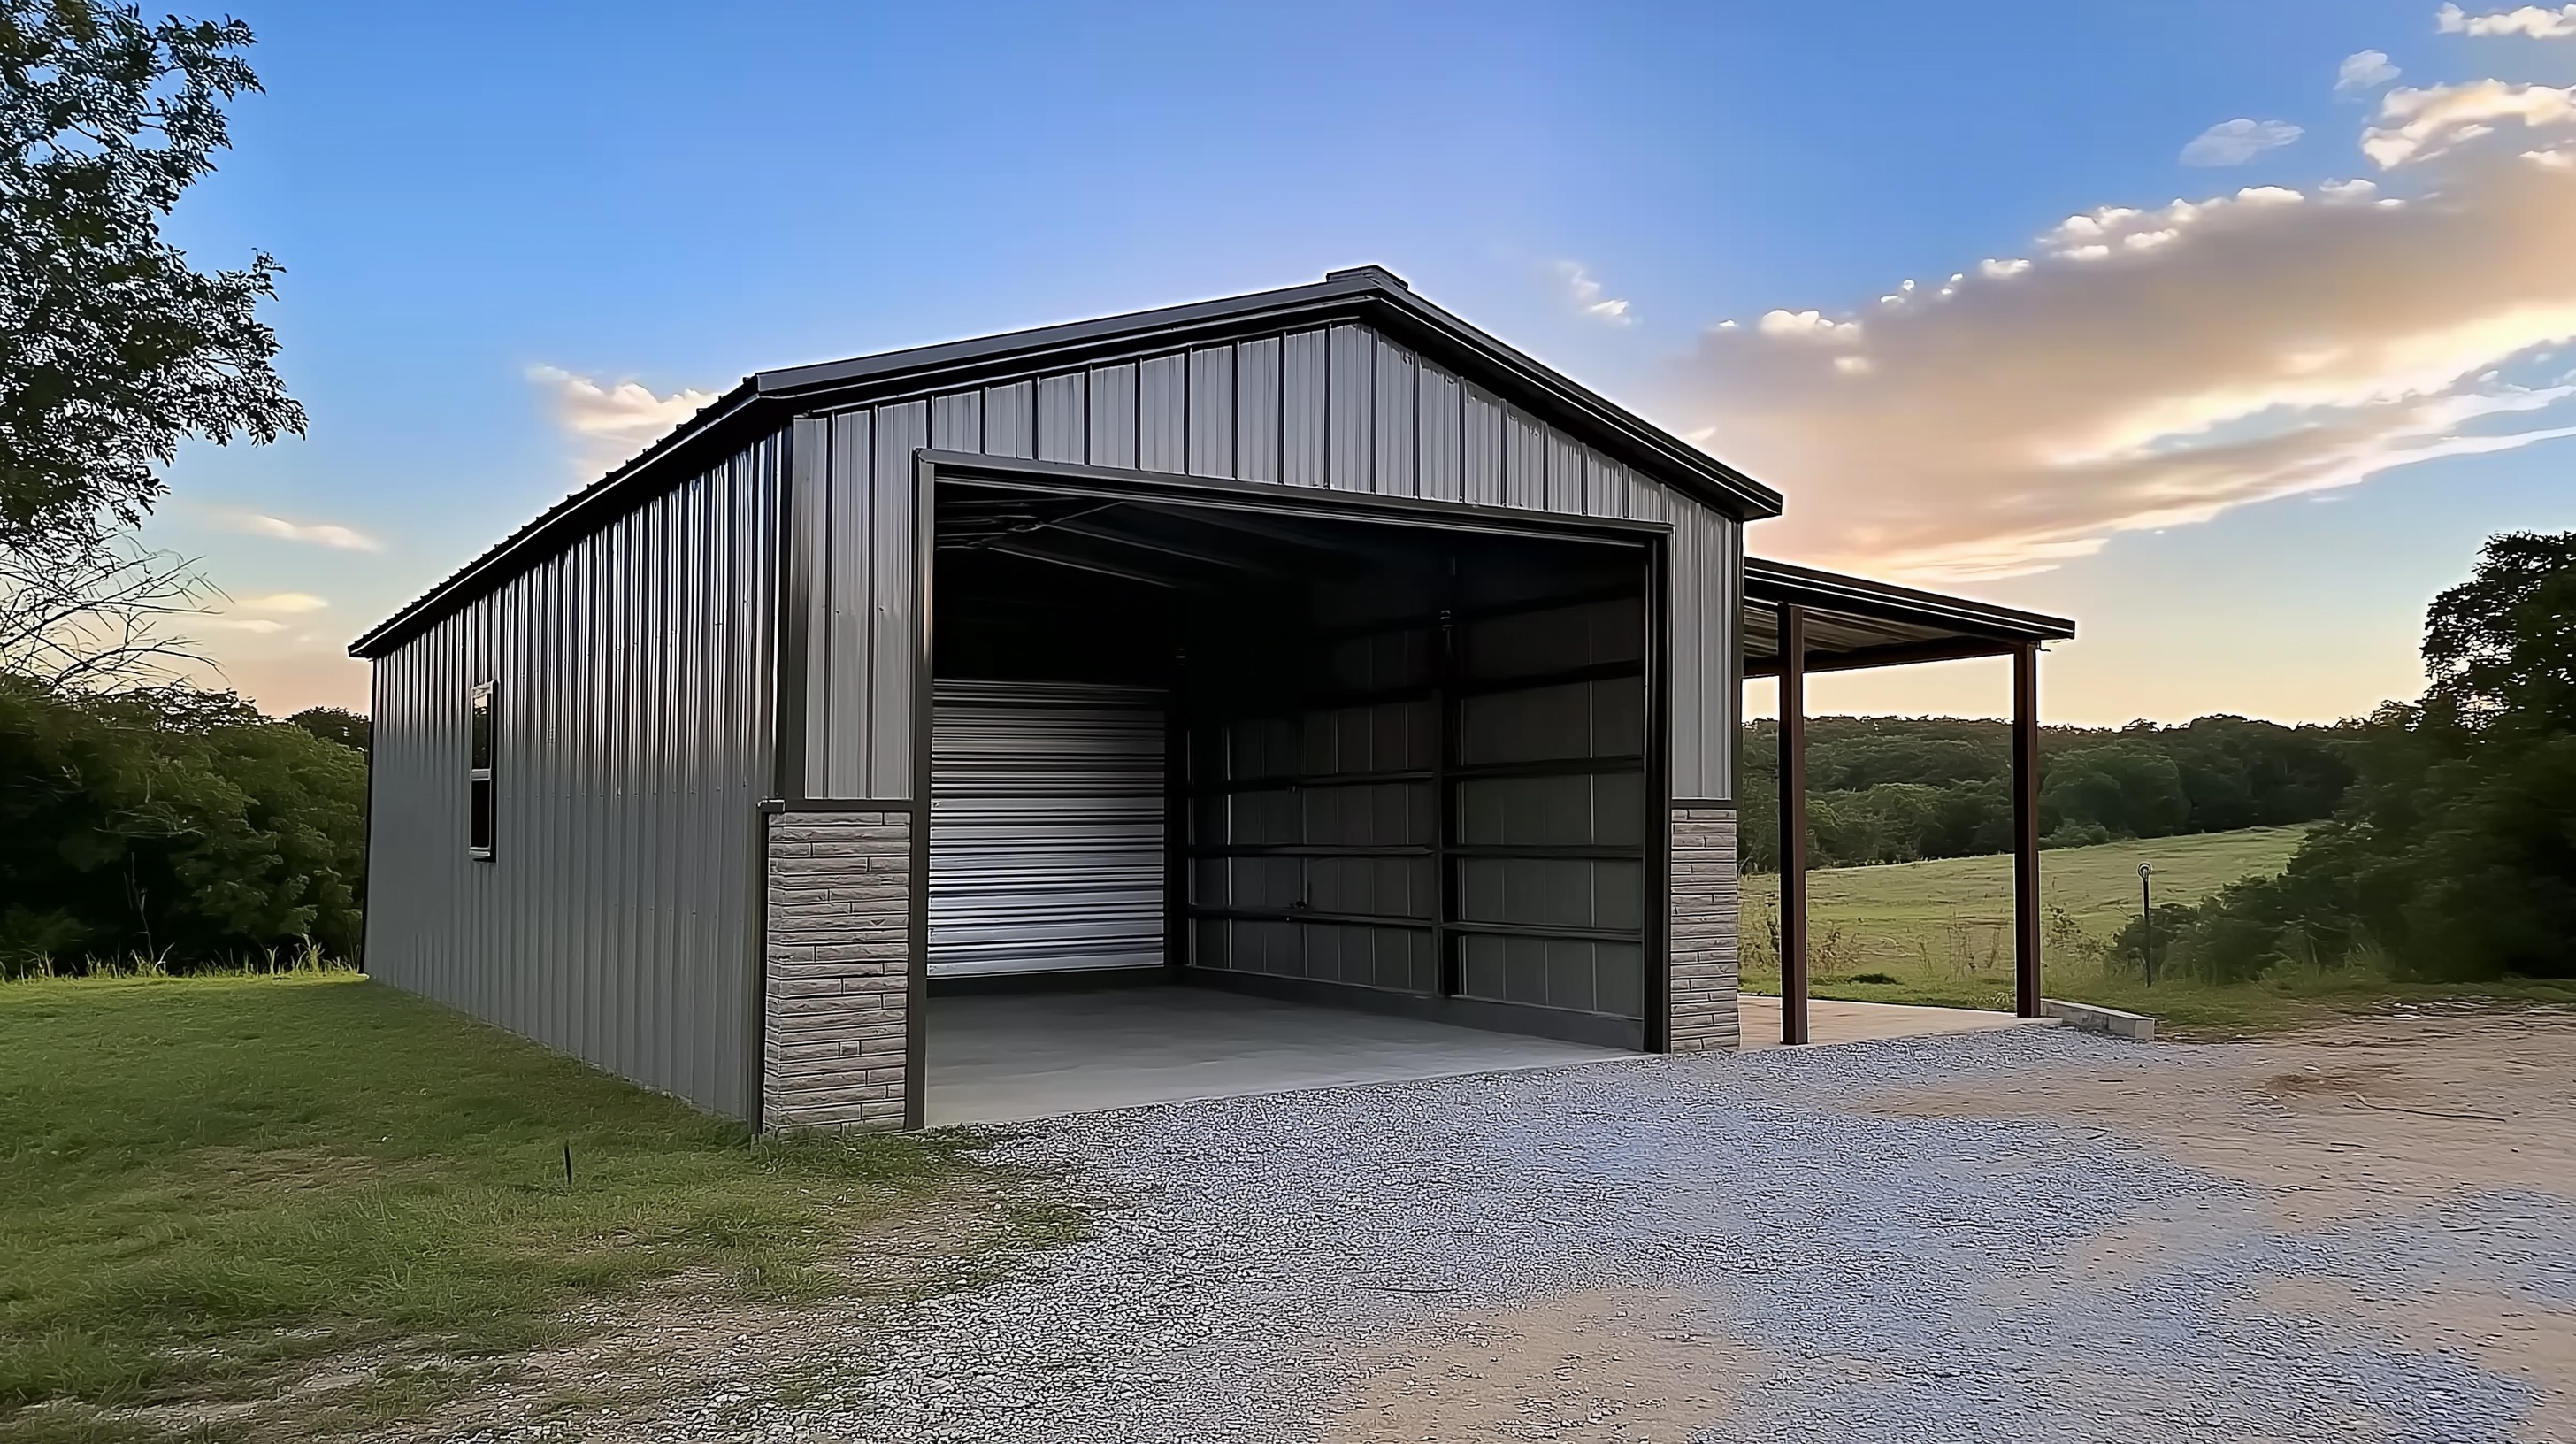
482	740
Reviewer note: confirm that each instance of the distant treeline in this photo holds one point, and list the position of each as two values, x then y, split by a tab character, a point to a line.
1900	789
169	828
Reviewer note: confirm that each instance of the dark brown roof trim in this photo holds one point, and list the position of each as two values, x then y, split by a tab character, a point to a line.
1780	582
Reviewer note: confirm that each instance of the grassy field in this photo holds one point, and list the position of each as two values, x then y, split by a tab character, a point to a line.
1939	933
224	1192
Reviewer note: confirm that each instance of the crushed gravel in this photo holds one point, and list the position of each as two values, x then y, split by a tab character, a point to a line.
1900	1278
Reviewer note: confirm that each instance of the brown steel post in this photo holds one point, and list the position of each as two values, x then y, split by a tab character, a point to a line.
1793	824
2026	830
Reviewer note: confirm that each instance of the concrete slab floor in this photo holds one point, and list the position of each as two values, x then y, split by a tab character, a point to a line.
1004	1058
1001	1058
1831	1020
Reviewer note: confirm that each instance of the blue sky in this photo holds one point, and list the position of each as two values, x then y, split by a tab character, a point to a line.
474	204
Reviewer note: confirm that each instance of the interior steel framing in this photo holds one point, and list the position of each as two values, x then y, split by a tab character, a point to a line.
931	467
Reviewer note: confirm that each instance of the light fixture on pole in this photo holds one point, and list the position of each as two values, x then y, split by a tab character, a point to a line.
2147	921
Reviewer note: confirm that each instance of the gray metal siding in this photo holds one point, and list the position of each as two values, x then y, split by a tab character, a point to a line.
633	676
1339	407
1046	828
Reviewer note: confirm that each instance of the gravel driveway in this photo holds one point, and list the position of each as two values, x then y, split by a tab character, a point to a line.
2030	1235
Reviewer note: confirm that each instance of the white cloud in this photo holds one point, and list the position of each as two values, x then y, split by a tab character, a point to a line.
262	626
2365	70
283	603
317	533
2234	142
2417	125
613	422
1997	270
2538	22
1810	325
2262	344
1587	295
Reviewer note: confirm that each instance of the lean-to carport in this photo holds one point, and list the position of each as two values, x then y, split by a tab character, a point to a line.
1798	620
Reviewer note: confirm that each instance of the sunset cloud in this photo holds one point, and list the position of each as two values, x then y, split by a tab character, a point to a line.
2417	125
318	533
281	603
2154	367
615	420
2538	22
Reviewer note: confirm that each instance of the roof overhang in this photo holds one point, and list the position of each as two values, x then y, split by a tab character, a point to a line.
1854	622
765	401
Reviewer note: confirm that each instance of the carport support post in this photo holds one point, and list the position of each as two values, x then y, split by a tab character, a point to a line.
1793	824
2025	792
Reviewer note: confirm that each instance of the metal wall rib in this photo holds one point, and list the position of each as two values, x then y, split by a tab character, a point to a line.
1341	407
634	675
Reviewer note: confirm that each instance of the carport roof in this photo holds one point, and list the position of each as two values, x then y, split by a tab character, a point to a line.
1370	295
1853	622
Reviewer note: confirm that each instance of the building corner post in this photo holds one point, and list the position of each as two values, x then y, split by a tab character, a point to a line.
2025	788
1793	824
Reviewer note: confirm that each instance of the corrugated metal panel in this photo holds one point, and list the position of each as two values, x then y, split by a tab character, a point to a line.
1162	413
1396	424
1256	410
1113	415
1350	408
633	676
1338	407
893	635
1046	828
1211	405
1302	427
1480	446
1704	562
1010	419
957	421
1062	421
1437	423
1524	460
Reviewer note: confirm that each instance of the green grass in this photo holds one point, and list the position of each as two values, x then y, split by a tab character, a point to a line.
213	1184
1939	933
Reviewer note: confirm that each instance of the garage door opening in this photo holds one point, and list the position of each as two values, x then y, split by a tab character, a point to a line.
1227	800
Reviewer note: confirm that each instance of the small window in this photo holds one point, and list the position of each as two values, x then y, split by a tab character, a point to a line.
478	804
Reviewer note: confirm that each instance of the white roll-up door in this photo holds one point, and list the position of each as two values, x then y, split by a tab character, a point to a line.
1046	828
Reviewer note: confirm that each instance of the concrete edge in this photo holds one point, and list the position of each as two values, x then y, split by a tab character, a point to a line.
2097	1019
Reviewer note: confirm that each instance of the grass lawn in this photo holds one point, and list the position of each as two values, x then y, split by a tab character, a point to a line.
219	1190
1939	933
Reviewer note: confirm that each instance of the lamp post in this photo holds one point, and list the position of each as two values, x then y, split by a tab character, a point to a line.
2147	921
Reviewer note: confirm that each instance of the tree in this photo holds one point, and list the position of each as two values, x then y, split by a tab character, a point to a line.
2456	852
336	724
112	348
2128	788
89	612
174	823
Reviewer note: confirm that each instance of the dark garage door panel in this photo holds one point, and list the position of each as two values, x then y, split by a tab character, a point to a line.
1046	828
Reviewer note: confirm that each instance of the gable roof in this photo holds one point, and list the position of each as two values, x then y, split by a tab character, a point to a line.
766	400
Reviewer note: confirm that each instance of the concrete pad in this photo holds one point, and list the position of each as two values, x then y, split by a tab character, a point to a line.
1003	1058
2094	1018
1831	1020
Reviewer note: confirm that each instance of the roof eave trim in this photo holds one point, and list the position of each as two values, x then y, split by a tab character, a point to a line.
1885	601
540	537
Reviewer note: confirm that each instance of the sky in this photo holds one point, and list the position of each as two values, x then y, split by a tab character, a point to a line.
2228	327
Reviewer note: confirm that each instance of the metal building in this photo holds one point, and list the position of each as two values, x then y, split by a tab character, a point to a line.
1309	644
